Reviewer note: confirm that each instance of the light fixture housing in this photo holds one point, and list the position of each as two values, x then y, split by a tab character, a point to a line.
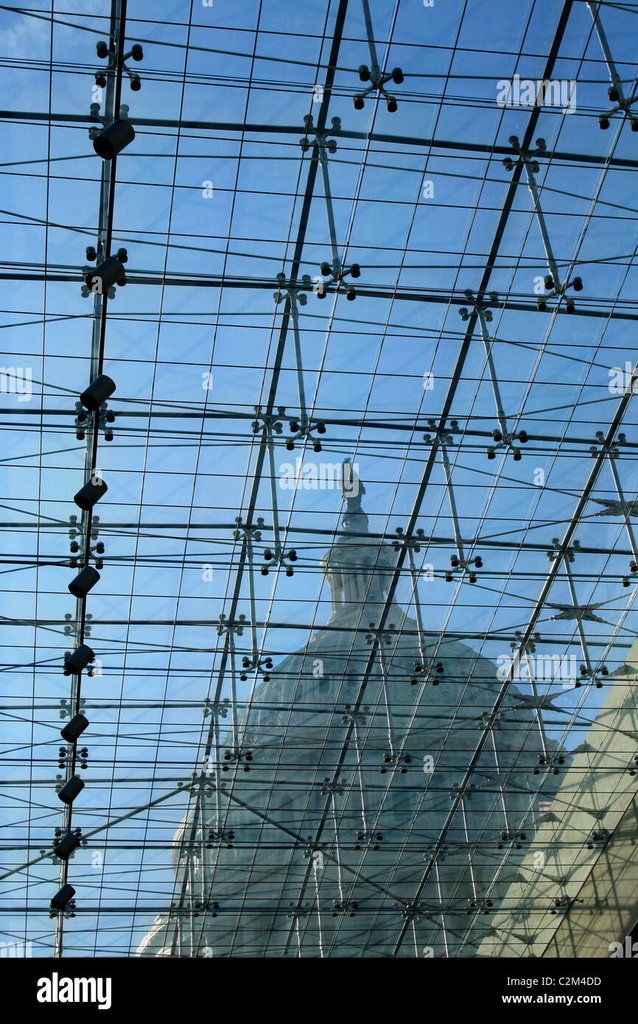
65	847
63	897
91	493
112	140
98	391
84	581
73	729
79	659
71	789
108	273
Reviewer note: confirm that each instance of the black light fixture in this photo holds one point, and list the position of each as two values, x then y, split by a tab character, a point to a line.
63	897
84	581
88	495
106	274
74	728
65	847
112	140
71	789
98	391
79	659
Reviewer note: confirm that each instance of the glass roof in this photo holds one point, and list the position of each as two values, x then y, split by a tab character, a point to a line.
442	294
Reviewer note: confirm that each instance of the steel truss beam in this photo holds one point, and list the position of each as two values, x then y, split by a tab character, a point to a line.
418	141
212	740
117	31
401	294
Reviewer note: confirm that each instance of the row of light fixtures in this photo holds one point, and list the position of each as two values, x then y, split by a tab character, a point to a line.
107	143
76	661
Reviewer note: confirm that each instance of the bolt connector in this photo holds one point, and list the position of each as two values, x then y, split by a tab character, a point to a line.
377	82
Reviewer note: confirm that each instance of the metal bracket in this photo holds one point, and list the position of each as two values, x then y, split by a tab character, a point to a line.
479	905
430	671
412	545
217	708
330	788
417	911
553	283
440	438
228	626
235	756
599	837
514	838
76	538
108	51
563	903
397	762
273	424
219	838
301	428
373	74
297	910
491	720
349	907
553	761
67	711
577	613
621	507
249	533
66	755
379	637
502	436
355	717
72	627
615	92
334	269
368	840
